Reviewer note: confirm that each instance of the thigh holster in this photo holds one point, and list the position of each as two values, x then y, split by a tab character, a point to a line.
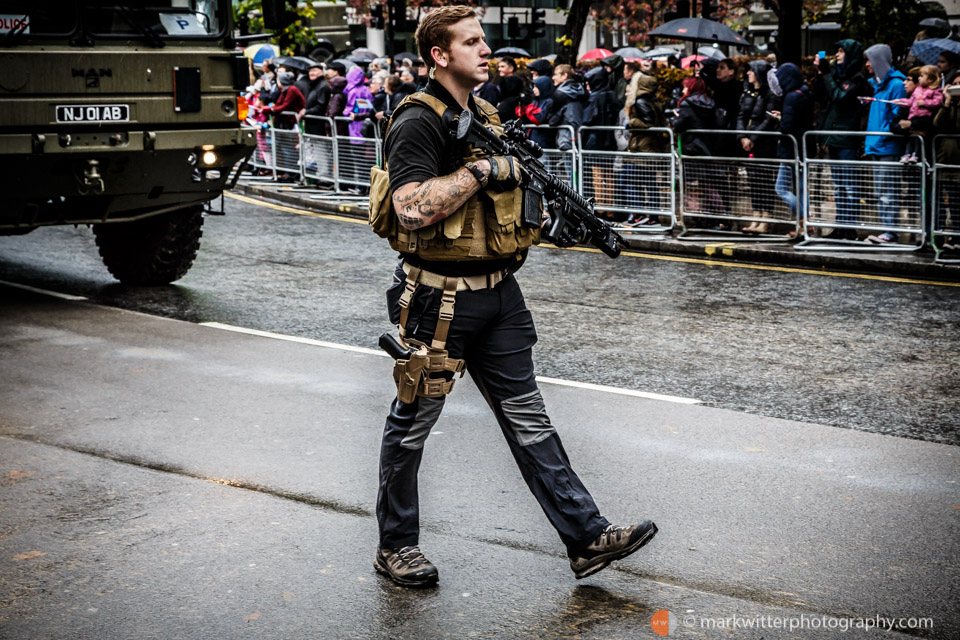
422	374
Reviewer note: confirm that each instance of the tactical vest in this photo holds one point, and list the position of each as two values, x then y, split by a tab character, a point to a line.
487	226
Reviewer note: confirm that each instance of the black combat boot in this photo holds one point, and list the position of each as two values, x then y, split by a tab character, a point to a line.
406	566
614	543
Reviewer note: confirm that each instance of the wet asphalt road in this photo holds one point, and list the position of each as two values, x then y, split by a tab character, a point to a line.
856	353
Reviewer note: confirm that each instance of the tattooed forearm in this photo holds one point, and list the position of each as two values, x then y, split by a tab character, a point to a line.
420	204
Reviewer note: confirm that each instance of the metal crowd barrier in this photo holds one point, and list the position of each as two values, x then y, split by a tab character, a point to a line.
945	210
355	156
864	195
733	190
286	147
565	164
263	154
637	186
319	149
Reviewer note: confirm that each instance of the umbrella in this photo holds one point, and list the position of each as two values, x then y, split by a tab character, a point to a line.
596	54
406	55
552	57
299	63
511	51
927	51
349	64
363	53
660	52
686	62
938	24
698	30
711	52
260	52
629	53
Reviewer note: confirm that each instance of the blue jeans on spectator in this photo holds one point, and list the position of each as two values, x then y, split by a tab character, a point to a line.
845	194
887	186
784	187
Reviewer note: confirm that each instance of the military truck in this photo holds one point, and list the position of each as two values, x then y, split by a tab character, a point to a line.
125	116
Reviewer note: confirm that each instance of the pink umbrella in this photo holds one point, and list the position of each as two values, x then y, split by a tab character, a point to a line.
596	54
686	62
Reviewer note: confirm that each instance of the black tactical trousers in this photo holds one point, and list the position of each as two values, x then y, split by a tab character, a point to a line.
493	330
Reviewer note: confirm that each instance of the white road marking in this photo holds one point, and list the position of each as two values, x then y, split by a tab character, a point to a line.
54	294
377	352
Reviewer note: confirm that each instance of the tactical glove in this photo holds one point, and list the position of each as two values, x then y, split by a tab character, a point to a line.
504	173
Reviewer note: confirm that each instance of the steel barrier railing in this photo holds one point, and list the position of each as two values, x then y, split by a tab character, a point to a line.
286	147
563	163
355	156
945	206
319	149
263	152
638	186
866	194
739	197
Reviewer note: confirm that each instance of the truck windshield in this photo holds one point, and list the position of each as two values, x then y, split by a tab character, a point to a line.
150	19
161	18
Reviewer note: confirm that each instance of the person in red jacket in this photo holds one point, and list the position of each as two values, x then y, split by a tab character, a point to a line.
291	99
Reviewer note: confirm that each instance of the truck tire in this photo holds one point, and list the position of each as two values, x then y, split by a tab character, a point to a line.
154	251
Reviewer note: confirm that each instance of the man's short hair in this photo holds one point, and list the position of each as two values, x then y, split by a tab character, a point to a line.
564	70
434	29
393	83
510	61
633	66
729	64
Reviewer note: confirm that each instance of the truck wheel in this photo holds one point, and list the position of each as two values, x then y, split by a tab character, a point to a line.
153	251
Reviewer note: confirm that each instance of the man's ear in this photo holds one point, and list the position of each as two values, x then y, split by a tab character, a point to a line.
439	57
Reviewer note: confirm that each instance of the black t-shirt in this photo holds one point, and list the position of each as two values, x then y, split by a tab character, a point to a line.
418	148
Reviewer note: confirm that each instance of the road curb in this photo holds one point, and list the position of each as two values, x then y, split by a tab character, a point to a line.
905	265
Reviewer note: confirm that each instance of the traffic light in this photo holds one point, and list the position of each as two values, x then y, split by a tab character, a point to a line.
513	28
376	17
538	23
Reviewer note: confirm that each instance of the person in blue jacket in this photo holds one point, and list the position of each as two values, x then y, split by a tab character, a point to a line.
796	119
887	84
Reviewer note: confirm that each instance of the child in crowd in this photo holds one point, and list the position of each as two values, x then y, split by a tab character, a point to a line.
923	101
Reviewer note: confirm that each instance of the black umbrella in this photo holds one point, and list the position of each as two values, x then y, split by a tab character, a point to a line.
299	63
406	55
698	30
511	51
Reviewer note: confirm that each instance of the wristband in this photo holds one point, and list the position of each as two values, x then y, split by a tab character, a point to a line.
482	179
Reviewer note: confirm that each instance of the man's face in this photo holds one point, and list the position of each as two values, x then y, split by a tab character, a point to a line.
314	73
375	86
943	64
628	73
331	73
406	76
841	55
869	67
559	78
724	73
504	69
467	58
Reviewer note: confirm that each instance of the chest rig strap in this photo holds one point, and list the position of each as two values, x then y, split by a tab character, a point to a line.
421	374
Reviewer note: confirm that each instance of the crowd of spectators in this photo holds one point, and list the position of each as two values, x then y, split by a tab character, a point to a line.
853	88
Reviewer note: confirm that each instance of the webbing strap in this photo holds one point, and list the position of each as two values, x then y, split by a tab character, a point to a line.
446	313
409	289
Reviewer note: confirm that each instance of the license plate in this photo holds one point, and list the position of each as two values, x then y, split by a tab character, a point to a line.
93	113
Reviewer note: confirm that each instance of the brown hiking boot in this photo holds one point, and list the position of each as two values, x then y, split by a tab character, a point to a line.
406	566
613	544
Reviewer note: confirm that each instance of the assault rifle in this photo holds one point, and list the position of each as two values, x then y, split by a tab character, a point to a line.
572	217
